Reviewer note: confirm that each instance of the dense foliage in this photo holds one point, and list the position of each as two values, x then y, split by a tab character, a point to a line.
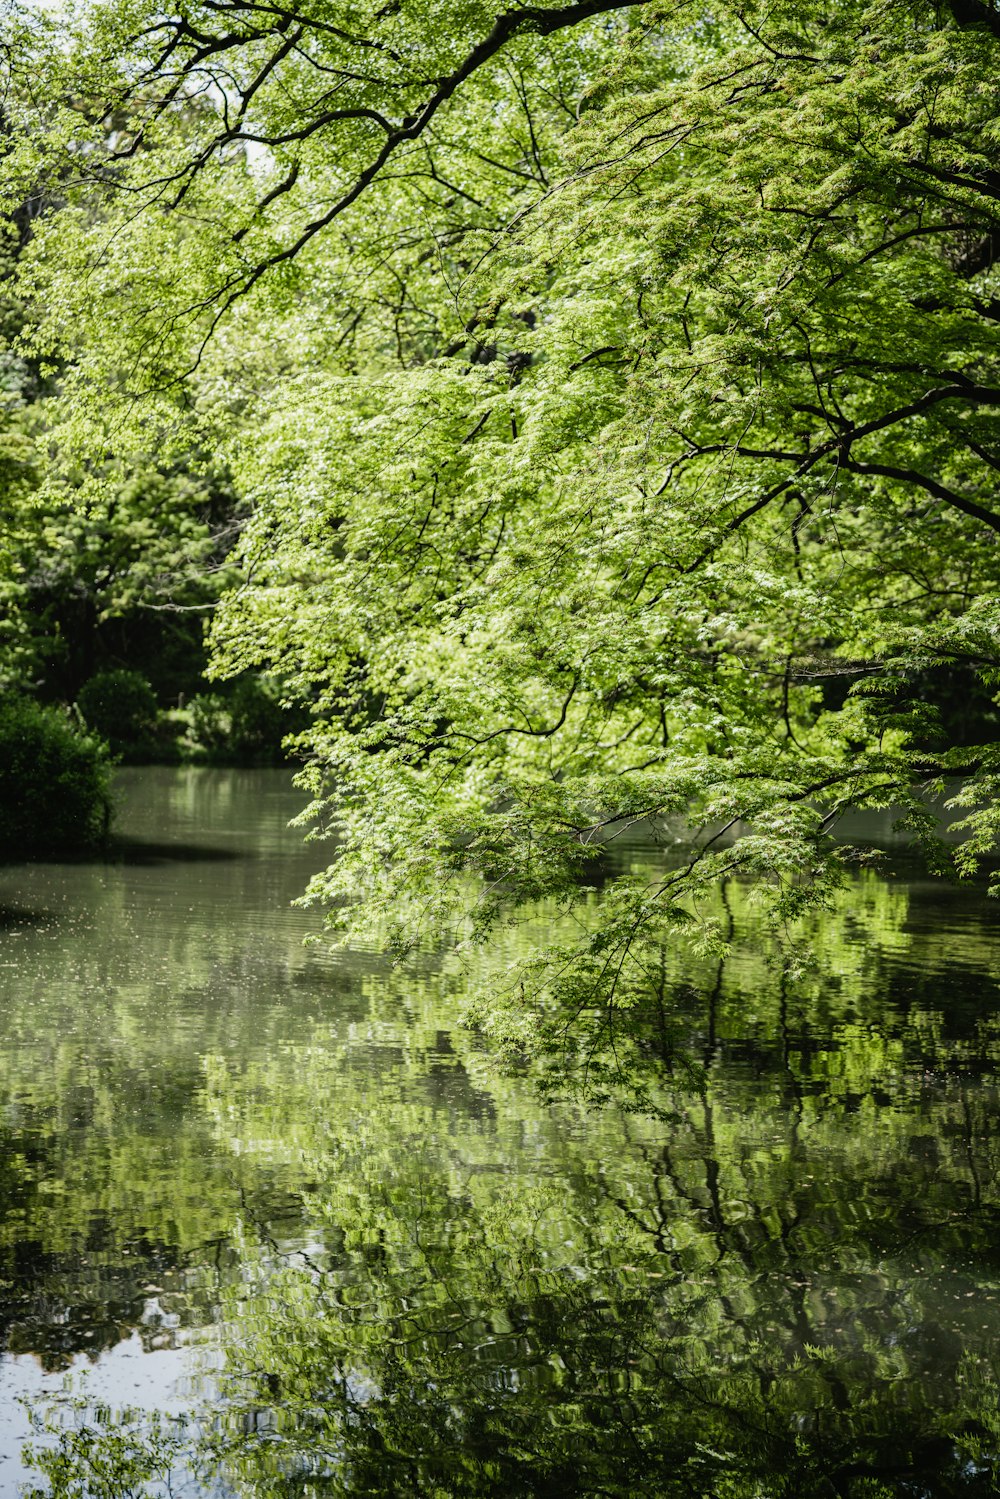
107	566
56	797
616	390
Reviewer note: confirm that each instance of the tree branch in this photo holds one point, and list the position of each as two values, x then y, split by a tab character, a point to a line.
976	13
939	491
531	19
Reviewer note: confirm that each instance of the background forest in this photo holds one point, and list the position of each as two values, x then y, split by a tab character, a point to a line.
105	595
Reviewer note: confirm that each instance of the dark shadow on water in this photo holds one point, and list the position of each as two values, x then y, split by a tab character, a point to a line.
133	852
140	851
14	916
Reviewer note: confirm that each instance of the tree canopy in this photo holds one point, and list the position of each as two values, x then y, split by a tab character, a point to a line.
615	388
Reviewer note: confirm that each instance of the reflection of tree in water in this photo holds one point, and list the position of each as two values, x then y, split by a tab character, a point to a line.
789	1288
785	1282
112	1226
653	1346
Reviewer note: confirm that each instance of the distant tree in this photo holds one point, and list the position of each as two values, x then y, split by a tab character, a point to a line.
121	578
104	563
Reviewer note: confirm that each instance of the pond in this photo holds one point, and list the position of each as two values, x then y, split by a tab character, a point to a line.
241	1170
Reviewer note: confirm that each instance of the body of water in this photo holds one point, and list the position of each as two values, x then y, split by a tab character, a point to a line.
242	1170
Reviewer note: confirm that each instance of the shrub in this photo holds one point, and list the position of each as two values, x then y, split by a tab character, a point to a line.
121	707
54	784
210	724
259	722
244	725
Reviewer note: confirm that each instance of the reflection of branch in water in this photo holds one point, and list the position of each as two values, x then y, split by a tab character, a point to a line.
977	1186
264	1232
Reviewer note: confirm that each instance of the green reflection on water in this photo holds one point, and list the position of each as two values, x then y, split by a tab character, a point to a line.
426	1278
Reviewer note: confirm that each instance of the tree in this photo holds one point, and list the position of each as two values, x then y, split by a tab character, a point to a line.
629	450
102	564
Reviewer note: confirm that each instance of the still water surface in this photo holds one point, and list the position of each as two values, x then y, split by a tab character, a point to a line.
235	1164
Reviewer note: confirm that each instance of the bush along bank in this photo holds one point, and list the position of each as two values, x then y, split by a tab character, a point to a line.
55	796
